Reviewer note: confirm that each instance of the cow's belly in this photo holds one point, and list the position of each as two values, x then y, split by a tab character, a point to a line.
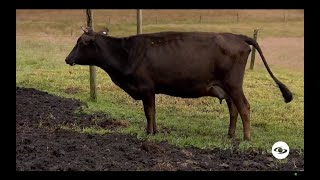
191	89
181	92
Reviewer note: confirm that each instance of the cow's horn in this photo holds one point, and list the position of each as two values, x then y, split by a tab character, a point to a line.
84	29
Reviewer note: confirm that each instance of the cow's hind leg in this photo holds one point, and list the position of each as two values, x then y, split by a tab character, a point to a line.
243	107
233	117
150	111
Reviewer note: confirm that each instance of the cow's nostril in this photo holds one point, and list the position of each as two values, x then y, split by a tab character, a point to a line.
70	61
67	60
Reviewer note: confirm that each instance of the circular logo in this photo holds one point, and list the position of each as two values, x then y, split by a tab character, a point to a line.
280	150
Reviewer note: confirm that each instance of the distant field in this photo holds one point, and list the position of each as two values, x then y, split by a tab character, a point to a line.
45	37
278	23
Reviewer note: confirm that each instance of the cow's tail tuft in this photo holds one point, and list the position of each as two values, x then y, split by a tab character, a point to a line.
286	93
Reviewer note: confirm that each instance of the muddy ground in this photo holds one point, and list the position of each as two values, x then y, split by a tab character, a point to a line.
41	144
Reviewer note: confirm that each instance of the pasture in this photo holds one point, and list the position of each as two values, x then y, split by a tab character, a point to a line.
45	37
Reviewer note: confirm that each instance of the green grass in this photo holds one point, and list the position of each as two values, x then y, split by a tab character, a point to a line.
199	122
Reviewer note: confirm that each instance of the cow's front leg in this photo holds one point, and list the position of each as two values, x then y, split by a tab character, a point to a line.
150	112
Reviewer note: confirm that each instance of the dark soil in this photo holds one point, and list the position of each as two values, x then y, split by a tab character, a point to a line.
42	145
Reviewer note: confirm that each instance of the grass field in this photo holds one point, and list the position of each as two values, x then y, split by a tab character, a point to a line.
45	37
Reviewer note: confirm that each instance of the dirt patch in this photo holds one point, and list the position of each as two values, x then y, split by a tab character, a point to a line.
42	145
37	108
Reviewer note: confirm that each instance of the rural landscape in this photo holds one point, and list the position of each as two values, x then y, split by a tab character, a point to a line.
59	128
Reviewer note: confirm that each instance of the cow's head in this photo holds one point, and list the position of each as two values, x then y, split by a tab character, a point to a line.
85	52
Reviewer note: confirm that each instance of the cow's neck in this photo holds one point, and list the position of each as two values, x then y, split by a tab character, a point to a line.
115	63
114	55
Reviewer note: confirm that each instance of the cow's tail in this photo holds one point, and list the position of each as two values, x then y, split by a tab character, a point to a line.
287	95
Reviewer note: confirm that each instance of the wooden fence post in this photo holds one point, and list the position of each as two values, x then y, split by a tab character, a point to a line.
92	69
253	54
237	17
139	21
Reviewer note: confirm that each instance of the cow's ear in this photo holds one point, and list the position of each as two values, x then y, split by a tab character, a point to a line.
104	32
88	40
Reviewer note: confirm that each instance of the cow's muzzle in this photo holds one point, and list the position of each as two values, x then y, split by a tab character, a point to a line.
70	61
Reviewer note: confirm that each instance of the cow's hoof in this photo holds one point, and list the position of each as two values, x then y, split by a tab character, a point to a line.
231	136
149	132
155	131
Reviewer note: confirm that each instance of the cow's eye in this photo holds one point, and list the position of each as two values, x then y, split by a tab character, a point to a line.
86	42
81	44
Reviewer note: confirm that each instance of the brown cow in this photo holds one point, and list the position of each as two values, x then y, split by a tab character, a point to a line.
181	64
